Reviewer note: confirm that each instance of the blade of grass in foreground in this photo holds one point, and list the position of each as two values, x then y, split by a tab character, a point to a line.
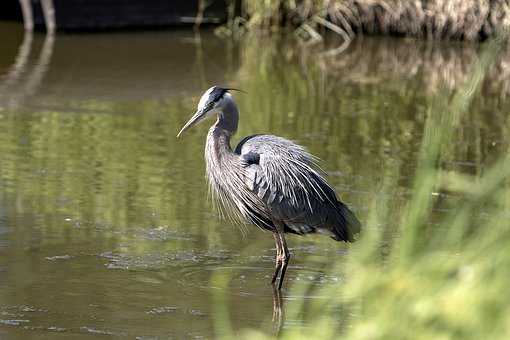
443	118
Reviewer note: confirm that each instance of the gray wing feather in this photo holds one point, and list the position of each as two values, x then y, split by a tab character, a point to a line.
288	182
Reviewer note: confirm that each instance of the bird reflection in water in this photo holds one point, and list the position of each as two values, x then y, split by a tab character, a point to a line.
22	76
278	311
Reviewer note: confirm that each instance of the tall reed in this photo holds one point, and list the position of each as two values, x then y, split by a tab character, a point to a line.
437	19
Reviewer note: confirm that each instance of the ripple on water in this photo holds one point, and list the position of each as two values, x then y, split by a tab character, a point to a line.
56	329
162	310
316	277
160	260
20	310
58	257
196	312
246	273
97	331
13	322
19	316
161	233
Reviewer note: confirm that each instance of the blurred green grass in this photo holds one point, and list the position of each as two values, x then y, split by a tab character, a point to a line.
442	280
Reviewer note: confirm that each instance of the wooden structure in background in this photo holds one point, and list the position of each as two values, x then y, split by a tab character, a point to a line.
90	15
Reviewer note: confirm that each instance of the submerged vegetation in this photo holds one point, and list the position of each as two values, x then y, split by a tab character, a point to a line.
436	19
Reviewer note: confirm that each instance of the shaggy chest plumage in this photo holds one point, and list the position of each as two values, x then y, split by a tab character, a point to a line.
226	176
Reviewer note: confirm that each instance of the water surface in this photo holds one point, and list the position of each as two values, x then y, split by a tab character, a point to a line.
105	225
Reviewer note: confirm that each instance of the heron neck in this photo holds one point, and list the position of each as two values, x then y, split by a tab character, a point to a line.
228	118
218	147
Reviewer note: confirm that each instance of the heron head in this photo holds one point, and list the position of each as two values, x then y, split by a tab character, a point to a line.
211	102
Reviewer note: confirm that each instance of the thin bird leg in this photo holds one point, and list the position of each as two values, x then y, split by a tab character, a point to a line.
278	260
285	259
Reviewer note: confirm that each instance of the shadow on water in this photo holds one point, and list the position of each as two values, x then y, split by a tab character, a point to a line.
105	226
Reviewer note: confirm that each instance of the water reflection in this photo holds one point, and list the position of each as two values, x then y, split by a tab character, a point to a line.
278	310
104	223
122	67
20	62
16	86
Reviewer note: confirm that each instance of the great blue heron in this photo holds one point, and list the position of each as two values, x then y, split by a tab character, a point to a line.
268	181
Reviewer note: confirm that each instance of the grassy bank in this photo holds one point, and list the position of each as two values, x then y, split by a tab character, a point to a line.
438	19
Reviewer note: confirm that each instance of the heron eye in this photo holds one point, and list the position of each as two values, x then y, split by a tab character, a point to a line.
210	106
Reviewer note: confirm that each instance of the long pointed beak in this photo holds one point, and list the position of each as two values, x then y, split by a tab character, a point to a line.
198	116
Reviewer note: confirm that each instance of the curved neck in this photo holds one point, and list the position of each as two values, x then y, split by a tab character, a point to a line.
217	148
228	118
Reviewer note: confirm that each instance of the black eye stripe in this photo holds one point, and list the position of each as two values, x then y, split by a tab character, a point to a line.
218	93
215	96
209	106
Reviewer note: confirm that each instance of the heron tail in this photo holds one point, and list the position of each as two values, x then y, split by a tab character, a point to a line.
347	225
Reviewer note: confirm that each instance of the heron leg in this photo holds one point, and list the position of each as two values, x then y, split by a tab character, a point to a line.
278	260
285	257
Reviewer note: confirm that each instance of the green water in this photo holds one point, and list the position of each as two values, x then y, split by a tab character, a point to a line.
105	223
